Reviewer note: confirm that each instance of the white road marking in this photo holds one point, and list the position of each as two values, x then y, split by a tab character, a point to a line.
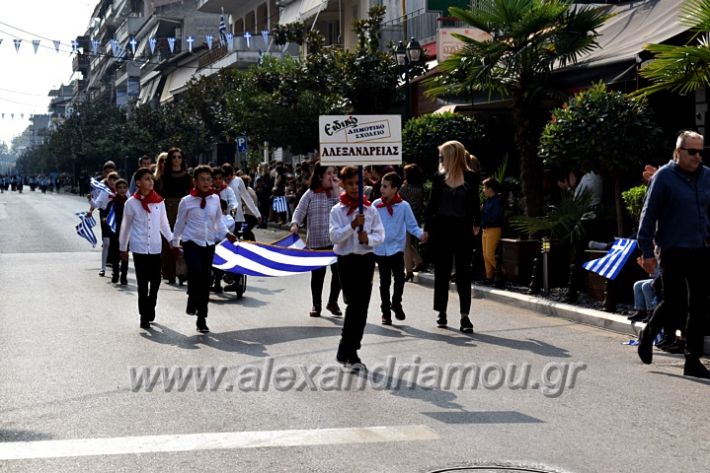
212	441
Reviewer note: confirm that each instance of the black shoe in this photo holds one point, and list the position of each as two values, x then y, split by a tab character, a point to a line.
342	356
386	319
171	280
102	273
124	282
666	341
639	316
676	348
202	325
217	289
399	313
645	347
695	368
181	280
145	325
408	277
152	317
315	311
334	309
466	325
190	310
441	321
231	287
355	364
114	279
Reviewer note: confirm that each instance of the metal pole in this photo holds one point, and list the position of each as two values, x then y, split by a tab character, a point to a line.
545	275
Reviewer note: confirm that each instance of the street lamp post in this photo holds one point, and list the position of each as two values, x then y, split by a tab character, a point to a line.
408	57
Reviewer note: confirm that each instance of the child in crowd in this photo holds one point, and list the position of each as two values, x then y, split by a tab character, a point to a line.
144	219
116	207
199	224
99	200
354	236
398	219
492	214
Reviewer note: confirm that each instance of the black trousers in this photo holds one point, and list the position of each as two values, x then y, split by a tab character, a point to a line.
391	267
148	279
356	272
684	273
453	241
114	258
199	269
318	279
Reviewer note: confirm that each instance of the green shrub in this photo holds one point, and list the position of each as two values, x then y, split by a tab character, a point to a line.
634	199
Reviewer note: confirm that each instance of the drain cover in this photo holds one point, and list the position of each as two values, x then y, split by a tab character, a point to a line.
492	469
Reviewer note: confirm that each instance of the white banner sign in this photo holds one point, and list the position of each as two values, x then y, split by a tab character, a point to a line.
353	140
447	44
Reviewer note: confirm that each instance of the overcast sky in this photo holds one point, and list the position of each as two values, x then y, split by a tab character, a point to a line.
26	78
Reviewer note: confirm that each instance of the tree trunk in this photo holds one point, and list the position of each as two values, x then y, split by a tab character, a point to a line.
530	165
619	206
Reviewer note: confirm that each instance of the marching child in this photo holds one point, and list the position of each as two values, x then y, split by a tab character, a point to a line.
199	224
398	219
116	207
492	224
144	219
354	236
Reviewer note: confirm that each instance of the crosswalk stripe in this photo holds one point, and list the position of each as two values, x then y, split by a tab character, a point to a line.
212	441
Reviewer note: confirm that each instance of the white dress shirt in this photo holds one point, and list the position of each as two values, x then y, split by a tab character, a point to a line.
200	226
141	230
344	237
227	194
240	190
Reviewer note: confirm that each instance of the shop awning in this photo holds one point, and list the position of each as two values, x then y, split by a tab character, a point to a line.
177	81
301	10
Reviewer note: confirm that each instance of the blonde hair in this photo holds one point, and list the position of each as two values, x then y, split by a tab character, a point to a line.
454	162
162	157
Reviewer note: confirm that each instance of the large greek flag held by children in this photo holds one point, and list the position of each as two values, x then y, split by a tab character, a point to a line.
286	257
610	265
84	229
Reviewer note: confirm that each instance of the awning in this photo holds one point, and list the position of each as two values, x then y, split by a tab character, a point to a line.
148	90
301	10
623	37
177	81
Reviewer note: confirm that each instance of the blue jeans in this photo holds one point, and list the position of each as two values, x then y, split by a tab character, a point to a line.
644	296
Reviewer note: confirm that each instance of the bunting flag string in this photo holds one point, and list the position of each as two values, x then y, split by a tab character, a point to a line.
35	44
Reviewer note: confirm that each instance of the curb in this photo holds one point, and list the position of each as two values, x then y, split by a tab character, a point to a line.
593	317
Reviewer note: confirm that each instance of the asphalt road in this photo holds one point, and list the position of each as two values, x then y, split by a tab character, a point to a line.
68	340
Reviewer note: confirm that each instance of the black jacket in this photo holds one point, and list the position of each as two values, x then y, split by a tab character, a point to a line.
472	204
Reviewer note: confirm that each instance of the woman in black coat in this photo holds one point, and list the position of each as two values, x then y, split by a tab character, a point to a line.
452	221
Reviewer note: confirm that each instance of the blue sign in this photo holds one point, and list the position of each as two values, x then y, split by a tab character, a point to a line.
241	144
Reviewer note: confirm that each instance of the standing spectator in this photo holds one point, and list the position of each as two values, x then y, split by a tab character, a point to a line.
250	217
240	191
314	207
262	187
174	184
278	195
492	223
453	220
412	191
675	217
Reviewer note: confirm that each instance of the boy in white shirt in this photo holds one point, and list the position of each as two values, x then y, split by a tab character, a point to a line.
354	236
199	224
144	219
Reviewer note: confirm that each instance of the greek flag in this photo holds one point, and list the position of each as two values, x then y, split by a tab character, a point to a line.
85	226
111	219
280	204
100	193
286	257
610	265
222	29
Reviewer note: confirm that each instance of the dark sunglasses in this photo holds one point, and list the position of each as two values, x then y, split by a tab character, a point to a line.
693	151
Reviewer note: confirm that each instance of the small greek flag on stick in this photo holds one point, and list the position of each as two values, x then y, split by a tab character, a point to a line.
280	204
85	226
111	219
286	257
611	265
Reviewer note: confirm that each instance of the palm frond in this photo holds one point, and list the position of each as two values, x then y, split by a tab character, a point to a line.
695	14
679	69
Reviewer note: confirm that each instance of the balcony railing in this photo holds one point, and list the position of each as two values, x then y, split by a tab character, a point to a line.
421	24
129	28
80	62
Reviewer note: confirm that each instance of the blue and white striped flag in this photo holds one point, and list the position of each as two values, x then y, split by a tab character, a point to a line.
286	257
85	226
111	219
100	193
222	30
610	265
280	204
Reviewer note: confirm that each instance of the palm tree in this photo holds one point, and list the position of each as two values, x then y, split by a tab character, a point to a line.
529	39
682	69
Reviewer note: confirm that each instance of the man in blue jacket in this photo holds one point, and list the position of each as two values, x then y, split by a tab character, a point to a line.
675	217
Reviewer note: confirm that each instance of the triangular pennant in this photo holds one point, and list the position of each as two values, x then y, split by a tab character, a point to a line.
22	116
171	44
56	45
152	42
12	115
265	35
133	44
190	40
247	36
17	42
74	45
0	41
3	116
95	46
230	42
114	47
209	39
35	44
